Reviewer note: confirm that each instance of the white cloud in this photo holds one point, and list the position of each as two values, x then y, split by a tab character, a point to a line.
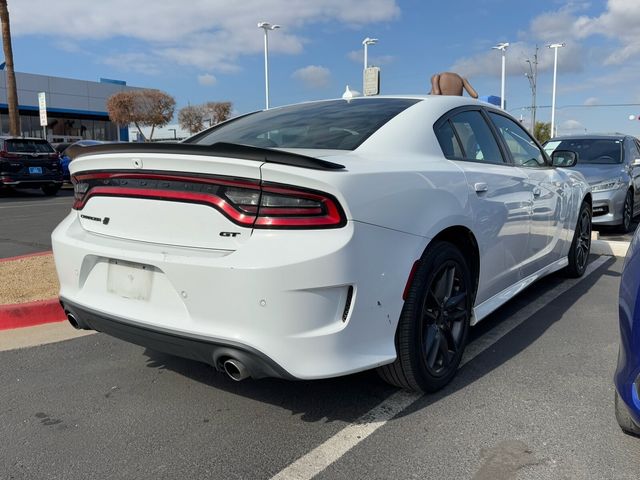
208	34
571	124
207	79
591	101
313	76
134	62
621	21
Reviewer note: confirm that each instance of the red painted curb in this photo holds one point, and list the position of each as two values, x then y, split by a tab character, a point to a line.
20	315
28	255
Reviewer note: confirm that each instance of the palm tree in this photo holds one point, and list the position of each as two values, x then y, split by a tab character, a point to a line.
12	91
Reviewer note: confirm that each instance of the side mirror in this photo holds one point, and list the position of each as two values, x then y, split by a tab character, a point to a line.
564	158
636	162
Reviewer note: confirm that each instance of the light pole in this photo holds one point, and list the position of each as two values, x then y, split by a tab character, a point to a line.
175	137
503	48
366	42
555	46
266	26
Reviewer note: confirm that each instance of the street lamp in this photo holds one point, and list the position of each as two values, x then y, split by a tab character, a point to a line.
266	26
555	46
503	48
366	42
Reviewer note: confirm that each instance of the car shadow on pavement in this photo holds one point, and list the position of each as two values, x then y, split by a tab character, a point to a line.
347	398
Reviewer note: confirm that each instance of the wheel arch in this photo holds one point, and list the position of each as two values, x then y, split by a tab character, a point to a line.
464	239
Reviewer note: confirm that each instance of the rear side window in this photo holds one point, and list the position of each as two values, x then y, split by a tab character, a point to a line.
28	146
336	124
467	136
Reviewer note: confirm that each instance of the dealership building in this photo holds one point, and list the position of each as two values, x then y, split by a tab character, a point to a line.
76	109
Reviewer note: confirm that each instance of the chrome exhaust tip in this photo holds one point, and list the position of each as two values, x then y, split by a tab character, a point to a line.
236	370
73	321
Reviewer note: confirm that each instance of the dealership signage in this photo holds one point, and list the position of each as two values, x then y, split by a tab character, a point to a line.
42	106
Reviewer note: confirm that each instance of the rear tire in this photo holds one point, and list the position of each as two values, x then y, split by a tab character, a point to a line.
433	326
624	419
581	245
50	190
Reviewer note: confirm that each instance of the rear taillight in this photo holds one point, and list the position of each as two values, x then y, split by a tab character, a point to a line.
245	202
5	154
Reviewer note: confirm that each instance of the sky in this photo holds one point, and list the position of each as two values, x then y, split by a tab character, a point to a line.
212	50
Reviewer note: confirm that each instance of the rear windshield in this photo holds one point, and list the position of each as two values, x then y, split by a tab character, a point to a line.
28	146
601	150
335	124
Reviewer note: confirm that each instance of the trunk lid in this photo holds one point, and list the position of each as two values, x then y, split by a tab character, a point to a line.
168	199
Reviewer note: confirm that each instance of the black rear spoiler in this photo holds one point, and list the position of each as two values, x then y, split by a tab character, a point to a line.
220	149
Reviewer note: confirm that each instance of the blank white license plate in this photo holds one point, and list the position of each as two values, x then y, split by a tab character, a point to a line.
129	280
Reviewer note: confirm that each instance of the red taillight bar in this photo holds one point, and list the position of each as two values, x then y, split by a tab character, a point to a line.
327	215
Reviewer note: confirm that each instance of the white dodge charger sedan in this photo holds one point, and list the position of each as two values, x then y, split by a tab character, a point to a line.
320	239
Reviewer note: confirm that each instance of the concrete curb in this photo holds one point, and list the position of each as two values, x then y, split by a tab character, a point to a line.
609	247
28	314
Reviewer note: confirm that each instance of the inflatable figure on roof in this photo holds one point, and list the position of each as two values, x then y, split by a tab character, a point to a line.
449	83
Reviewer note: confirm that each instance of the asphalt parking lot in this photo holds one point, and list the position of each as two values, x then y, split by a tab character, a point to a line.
533	400
27	219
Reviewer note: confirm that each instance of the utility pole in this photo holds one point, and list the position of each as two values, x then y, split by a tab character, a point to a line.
533	82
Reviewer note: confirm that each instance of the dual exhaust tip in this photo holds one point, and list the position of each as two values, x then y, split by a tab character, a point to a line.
235	369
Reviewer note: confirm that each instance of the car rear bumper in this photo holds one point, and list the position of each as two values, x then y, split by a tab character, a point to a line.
317	303
206	350
30	182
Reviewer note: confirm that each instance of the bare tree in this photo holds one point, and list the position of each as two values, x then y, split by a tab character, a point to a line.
143	108
191	118
12	90
217	111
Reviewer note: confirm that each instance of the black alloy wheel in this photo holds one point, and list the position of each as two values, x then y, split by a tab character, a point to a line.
581	245
432	330
627	213
444	316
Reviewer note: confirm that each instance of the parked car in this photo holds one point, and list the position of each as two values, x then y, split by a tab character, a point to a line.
627	376
64	157
611	165
320	239
29	163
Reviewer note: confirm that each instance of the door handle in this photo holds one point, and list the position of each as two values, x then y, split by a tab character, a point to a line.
480	187
536	192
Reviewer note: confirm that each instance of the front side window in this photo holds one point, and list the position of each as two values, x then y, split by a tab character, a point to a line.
476	141
335	124
523	148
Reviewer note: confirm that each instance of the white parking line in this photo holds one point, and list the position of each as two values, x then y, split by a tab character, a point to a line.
314	462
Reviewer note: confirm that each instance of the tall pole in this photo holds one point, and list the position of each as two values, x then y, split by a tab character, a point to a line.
266	69
555	46
502	47
266	26
504	64
532	76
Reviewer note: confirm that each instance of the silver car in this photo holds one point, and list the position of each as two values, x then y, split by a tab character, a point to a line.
611	165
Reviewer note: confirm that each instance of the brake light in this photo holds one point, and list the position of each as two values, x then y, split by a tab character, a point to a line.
245	202
5	154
